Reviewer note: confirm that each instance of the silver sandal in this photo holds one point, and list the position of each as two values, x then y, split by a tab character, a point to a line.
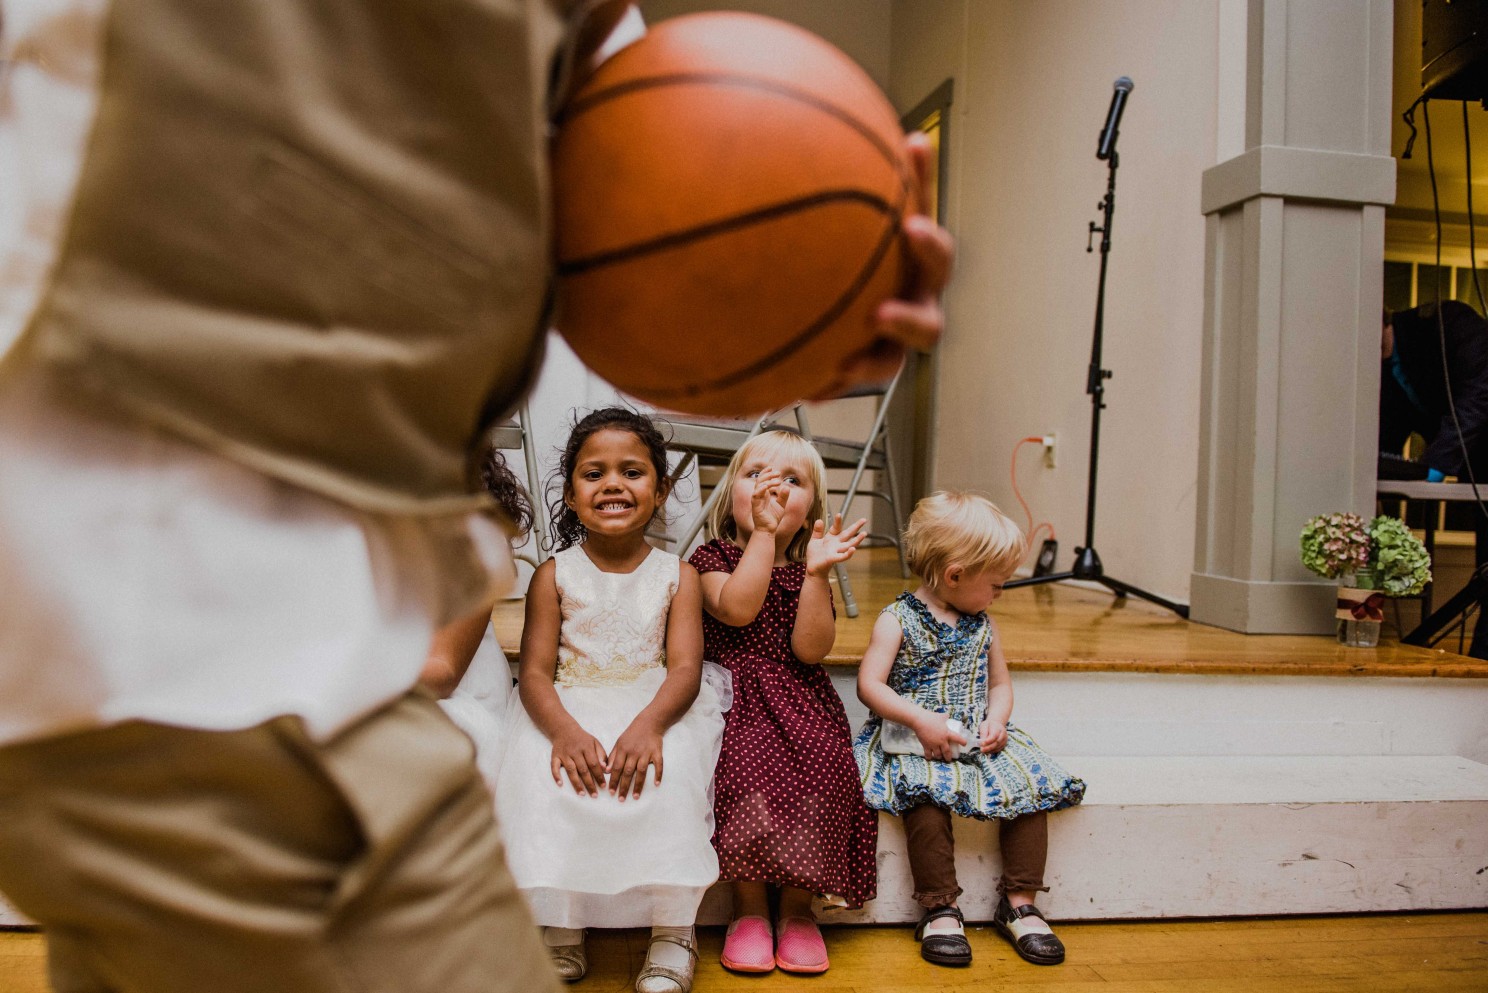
571	962
651	970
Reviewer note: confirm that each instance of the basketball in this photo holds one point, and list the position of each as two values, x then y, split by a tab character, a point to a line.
729	191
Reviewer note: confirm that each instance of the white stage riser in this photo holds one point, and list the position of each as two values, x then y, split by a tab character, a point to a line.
9	916
1161	714
1108	713
1202	861
1230	837
1210	861
1198	862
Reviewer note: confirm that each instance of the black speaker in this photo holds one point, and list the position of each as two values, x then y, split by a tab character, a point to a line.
1454	49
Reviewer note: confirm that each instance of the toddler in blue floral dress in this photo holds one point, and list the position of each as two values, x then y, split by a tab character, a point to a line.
939	741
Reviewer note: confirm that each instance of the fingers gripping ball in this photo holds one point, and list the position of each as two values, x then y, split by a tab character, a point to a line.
729	192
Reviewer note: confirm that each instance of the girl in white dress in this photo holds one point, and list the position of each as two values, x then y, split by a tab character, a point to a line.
465	666
467	669
605	784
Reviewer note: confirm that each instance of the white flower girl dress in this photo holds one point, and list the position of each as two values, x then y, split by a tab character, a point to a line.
583	861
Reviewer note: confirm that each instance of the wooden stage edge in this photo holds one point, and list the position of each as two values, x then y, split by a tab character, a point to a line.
1063	627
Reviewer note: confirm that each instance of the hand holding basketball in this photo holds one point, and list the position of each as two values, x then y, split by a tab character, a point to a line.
913	319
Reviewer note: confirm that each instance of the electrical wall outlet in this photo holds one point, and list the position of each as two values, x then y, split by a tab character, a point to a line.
1046	556
1049	448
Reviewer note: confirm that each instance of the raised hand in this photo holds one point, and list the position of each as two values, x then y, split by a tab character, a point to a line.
767	503
829	546
937	738
579	753
635	750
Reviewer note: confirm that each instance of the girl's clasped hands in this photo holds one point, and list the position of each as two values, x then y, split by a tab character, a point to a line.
622	771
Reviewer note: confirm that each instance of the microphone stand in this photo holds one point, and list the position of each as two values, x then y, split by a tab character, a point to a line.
1087	563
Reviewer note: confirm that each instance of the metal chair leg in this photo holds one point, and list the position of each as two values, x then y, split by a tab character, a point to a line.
700	521
540	537
894	507
849	602
675	477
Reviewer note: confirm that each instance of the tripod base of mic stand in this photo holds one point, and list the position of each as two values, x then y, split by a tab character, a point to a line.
1444	617
1088	566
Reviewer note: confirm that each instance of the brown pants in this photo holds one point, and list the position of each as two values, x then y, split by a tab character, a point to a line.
171	860
932	853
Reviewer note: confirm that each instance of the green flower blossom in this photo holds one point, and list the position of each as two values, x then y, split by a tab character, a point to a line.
1382	554
1401	564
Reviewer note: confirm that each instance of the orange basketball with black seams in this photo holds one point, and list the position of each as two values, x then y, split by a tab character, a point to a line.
729	193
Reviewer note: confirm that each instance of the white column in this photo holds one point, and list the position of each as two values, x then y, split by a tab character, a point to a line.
1293	289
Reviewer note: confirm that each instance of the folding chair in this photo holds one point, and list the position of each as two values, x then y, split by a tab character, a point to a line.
873	453
512	435
716	441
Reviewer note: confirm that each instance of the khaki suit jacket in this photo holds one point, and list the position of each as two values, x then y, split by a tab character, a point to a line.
313	236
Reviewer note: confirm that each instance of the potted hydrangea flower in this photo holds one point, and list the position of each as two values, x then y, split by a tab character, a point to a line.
1371	561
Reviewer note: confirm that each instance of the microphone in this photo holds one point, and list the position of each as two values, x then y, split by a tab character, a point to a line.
1107	145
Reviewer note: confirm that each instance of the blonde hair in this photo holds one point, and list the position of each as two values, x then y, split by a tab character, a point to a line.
770	447
964	528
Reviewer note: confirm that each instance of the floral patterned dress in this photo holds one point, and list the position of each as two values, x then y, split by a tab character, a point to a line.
943	667
788	807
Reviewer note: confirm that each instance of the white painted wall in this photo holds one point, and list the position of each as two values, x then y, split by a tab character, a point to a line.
858	27
1033	82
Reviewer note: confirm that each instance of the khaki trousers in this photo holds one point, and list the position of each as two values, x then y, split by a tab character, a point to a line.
169	860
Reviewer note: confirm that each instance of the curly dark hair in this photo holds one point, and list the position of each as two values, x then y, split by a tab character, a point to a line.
567	531
498	479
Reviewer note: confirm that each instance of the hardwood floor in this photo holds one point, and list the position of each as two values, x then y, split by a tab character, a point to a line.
1070	628
1395	953
23	962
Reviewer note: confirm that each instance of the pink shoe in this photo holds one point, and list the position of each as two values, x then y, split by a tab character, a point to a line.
799	946
748	947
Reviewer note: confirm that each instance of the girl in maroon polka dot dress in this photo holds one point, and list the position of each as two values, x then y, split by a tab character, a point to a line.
789	807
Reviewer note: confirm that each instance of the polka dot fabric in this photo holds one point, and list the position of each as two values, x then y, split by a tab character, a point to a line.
788	803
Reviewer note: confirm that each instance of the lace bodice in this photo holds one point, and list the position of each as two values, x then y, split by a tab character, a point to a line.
614	624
